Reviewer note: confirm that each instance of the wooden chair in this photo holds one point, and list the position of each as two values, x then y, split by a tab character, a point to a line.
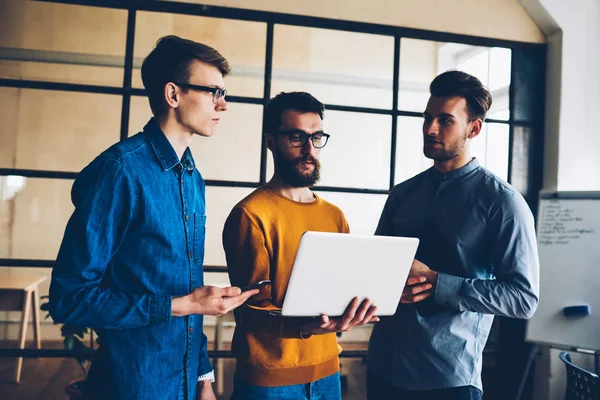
20	293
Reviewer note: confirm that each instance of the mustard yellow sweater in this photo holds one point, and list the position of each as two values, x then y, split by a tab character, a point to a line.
260	238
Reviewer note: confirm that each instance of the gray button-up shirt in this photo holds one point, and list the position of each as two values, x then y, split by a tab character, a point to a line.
478	233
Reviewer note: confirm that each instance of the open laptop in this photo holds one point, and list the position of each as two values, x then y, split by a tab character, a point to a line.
330	269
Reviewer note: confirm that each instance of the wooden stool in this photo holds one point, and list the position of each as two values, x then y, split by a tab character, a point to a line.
16	294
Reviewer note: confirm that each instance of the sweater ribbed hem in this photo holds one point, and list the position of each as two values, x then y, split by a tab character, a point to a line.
261	376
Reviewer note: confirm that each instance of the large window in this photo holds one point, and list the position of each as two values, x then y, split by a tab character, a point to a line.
70	86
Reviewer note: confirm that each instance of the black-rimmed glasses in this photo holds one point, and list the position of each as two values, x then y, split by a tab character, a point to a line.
217	92
299	138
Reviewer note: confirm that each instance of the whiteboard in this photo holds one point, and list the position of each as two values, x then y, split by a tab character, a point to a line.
568	232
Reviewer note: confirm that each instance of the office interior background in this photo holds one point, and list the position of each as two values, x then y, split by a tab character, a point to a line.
70	86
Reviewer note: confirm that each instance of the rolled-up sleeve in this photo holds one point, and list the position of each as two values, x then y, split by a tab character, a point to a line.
514	290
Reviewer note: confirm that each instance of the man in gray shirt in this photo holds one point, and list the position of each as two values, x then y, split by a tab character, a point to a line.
477	258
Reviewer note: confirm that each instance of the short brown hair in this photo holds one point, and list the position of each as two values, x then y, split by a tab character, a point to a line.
460	84
299	101
170	62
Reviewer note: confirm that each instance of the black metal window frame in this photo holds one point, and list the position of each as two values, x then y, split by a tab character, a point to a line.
270	19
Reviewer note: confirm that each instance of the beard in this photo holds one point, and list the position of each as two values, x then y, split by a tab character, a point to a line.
444	153
288	170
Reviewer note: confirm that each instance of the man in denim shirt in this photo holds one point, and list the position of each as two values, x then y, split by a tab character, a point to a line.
477	258
130	264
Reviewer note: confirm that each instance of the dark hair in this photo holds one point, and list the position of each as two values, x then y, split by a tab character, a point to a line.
170	61
461	84
299	101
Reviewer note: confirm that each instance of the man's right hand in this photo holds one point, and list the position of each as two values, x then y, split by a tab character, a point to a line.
210	300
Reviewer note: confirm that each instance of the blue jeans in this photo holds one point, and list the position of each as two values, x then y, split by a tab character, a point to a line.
328	388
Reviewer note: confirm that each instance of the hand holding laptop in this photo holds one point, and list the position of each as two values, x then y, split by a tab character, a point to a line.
355	315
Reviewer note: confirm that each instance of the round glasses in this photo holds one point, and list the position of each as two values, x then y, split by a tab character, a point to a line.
299	138
216	91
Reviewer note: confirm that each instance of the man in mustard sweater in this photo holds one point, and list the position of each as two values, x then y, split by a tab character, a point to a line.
278	357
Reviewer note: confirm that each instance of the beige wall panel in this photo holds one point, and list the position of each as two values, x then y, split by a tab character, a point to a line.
233	153
67	30
344	68
60	27
219	203
242	43
50	72
501	19
53	123
42	209
9	125
331	51
6	220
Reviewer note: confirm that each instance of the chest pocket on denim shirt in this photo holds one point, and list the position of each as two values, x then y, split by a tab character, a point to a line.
199	237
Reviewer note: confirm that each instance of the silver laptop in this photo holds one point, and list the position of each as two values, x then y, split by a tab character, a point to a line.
330	269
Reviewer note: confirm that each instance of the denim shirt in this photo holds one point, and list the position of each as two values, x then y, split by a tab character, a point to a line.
134	241
478	233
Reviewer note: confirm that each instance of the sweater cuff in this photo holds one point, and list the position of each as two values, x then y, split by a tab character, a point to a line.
291	328
447	290
160	308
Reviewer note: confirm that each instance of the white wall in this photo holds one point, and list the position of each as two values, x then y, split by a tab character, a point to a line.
572	117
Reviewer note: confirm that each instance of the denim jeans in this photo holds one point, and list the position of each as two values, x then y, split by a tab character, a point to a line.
328	388
379	389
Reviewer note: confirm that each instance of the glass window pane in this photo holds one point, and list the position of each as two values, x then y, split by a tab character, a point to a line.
344	68
232	154
418	68
422	60
357	154
45	129
33	216
499	68
497	149
491	148
242	43
361	210
74	44
410	160
219	203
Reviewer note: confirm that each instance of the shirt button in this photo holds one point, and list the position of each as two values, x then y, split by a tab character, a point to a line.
190	254
179	167
190	329
187	217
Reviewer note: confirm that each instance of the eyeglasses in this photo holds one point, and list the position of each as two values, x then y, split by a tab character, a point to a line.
299	138
217	92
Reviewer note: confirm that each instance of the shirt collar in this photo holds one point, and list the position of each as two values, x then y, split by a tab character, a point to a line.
165	153
455	174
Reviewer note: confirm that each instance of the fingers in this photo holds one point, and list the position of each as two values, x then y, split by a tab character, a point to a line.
413	280
363	309
234	302
414	294
370	316
348	315
230	291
